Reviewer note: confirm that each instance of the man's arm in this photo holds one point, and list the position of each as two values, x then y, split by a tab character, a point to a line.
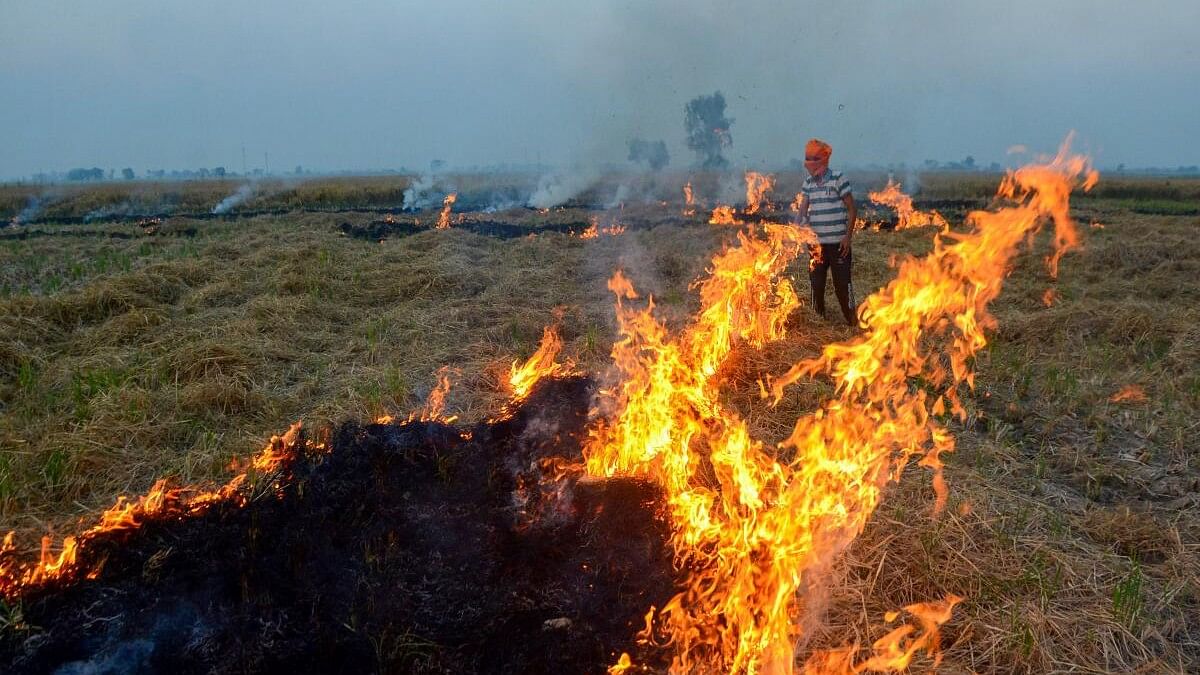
851	219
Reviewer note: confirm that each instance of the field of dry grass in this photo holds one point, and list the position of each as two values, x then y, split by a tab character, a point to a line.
1072	530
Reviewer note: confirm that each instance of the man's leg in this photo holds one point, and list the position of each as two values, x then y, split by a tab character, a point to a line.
843	287
817	267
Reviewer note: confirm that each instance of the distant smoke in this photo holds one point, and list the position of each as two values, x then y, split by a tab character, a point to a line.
122	209
708	129
555	189
620	197
419	194
912	181
653	153
32	208
243	193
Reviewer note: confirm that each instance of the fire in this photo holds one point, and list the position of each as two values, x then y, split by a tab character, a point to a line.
1050	297
1131	393
689	201
797	203
443	221
594	230
758	528
906	216
542	364
159	502
757	186
435	403
723	215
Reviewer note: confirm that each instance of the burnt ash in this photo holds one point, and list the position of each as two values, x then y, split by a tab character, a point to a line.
406	547
383	229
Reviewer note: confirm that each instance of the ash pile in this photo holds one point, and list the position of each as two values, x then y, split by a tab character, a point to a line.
408	547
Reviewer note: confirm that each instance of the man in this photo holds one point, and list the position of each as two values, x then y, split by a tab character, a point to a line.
828	208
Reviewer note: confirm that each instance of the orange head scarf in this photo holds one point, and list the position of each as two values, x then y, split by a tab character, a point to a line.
818	148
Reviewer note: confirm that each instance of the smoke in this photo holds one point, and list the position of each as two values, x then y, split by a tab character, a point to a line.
653	153
243	193
621	196
557	188
420	195
707	130
32	209
912	181
122	209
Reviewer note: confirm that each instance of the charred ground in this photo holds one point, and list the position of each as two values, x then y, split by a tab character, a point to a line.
404	547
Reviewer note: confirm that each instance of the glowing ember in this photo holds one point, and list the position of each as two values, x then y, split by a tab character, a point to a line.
443	221
755	532
906	216
689	201
1050	297
1131	393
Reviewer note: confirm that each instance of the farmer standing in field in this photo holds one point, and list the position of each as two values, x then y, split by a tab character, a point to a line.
828	208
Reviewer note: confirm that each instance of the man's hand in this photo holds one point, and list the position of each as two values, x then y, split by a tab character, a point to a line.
844	246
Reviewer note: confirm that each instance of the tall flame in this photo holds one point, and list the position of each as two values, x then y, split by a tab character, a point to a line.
758	528
689	200
757	187
906	216
543	363
443	221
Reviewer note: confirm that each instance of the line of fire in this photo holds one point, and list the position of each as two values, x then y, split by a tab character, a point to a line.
630	523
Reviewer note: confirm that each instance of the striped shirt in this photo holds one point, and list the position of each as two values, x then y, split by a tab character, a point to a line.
827	213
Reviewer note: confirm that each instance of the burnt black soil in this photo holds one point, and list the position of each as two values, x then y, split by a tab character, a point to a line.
407	547
29	233
383	229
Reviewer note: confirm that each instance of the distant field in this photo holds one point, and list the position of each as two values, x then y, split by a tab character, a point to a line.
128	354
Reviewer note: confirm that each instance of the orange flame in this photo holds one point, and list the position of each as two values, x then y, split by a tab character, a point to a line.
1131	393
689	201
542	364
435	403
757	186
443	221
906	216
1050	297
723	215
159	502
756	528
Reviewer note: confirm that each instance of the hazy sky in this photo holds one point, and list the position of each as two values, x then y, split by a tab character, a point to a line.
371	84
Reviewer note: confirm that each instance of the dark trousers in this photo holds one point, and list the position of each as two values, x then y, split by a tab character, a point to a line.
827	258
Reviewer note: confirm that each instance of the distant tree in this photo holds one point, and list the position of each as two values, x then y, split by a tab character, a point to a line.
1121	168
437	165
127	173
203	172
707	129
653	153
969	163
931	164
995	167
299	170
79	174
219	172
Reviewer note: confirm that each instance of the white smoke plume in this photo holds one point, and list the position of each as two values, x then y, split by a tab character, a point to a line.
555	189
243	193
420	194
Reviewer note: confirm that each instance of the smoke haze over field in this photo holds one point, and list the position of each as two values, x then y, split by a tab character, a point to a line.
377	84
